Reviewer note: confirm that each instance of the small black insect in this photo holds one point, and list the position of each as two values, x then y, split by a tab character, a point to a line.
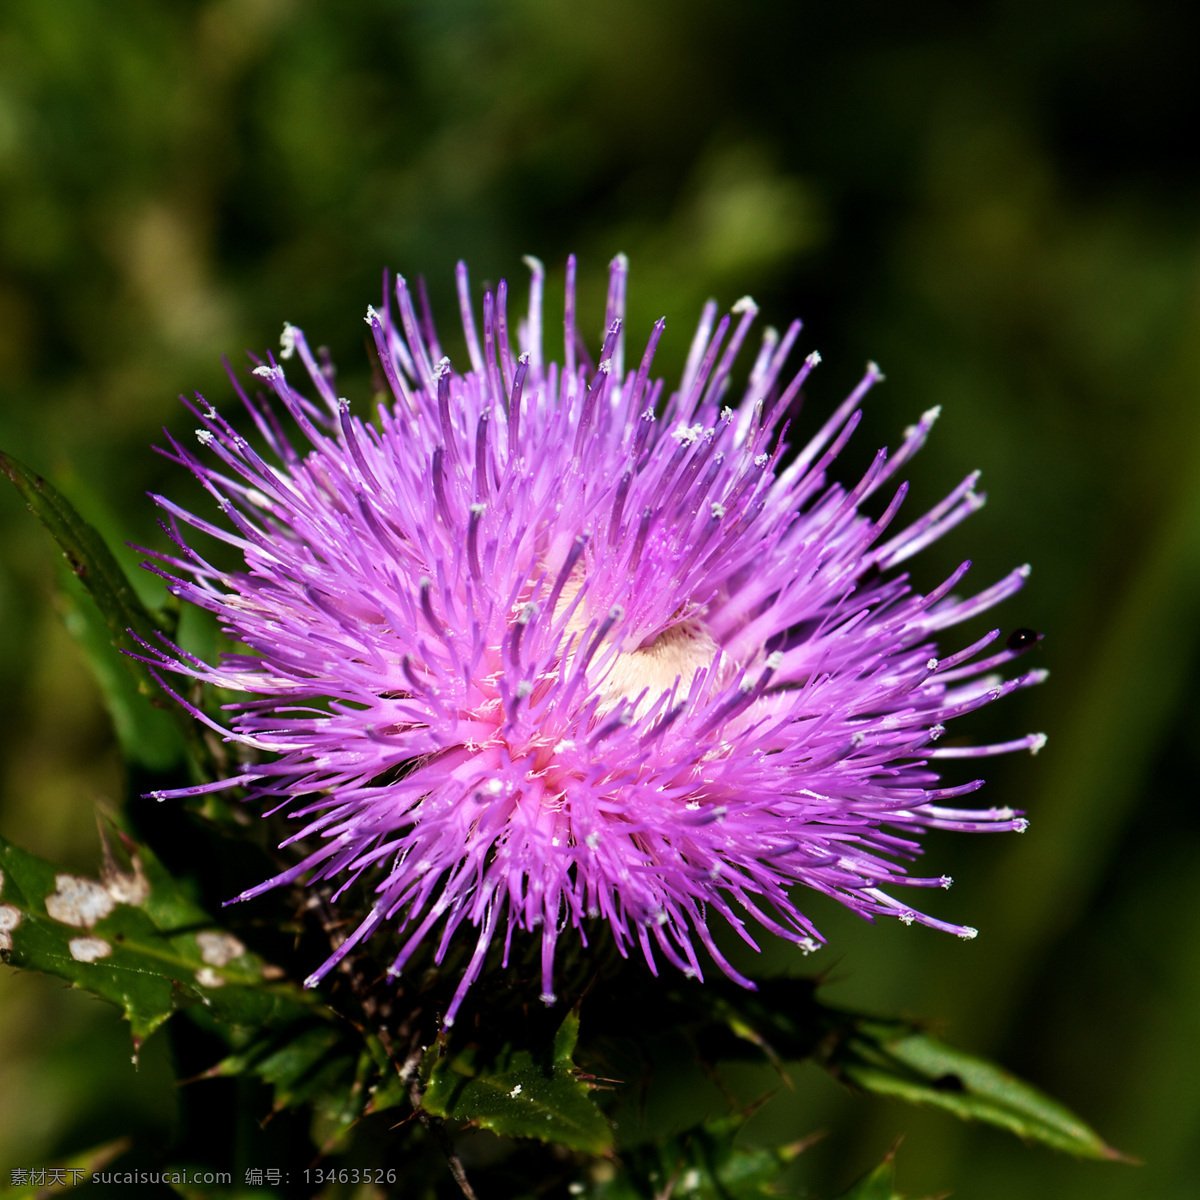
1020	639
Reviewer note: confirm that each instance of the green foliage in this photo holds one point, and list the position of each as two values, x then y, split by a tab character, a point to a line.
901	1059
521	1092
148	731
896	1058
142	713
706	1162
784	1022
133	938
90	559
876	1184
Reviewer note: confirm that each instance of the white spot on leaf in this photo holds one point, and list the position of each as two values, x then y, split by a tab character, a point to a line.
78	902
207	977
88	949
133	888
217	949
10	918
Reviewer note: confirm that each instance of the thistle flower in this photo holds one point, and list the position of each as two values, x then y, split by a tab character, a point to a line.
532	645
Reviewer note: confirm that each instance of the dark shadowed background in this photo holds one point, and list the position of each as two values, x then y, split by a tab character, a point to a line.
997	202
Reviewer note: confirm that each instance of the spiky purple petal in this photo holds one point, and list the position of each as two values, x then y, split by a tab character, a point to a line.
535	646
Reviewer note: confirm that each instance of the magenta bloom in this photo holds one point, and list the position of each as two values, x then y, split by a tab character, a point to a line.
535	644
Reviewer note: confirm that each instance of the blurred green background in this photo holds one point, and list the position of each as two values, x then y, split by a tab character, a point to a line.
995	201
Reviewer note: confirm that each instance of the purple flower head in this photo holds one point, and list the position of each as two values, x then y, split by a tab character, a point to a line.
536	644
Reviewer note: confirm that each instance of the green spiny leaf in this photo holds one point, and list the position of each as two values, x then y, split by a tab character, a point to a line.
520	1092
786	1022
702	1163
134	939
148	731
124	616
877	1184
894	1058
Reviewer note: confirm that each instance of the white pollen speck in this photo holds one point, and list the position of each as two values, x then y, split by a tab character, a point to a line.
718	510
1024	570
204	437
477	510
1039	740
968	934
88	949
907	918
873	369
287	340
727	413
217	949
1021	824
592	840
808	945
515	1092
556	841
813	359
931	665
207	977
692	805
78	902
946	881
265	372
720	812
372	318
495	786
523	689
548	999
745	305
687	434
775	660
762	460
936	731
